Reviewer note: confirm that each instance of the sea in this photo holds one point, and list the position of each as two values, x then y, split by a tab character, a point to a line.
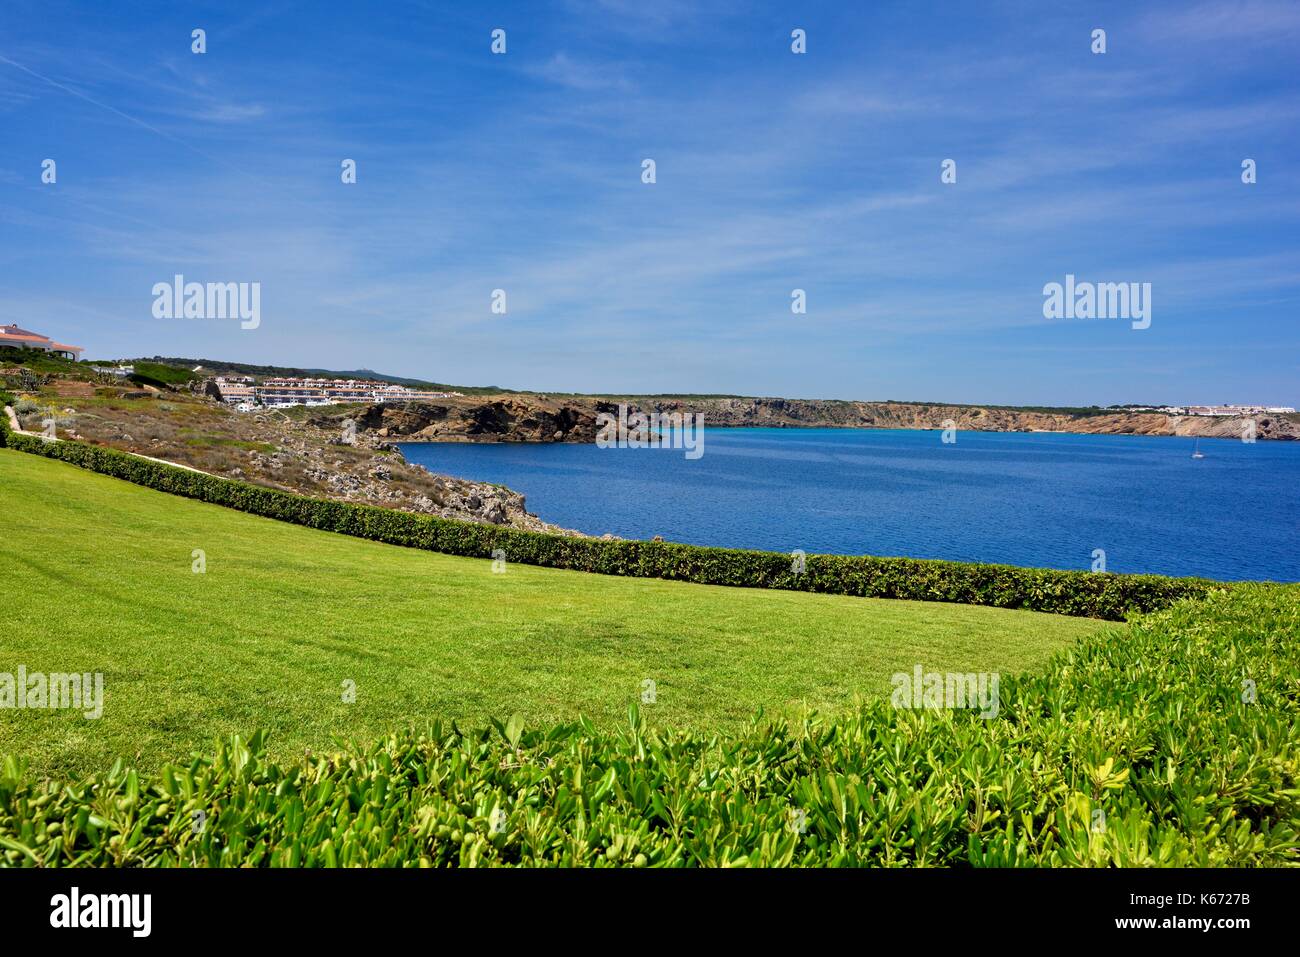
1120	503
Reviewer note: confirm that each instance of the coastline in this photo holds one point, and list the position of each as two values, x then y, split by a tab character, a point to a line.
502	440
543	419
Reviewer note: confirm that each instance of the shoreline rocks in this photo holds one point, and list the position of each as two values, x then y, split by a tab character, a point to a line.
519	418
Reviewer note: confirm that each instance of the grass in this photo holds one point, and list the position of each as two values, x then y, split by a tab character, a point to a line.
1174	742
98	576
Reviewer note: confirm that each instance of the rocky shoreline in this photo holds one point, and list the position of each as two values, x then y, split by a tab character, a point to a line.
524	418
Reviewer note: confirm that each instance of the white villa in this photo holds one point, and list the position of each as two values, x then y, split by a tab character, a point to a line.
17	338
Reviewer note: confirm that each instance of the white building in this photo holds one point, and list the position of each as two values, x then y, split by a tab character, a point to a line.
17	338
1227	410
285	391
120	371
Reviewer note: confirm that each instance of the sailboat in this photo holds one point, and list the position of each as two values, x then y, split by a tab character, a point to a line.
1196	452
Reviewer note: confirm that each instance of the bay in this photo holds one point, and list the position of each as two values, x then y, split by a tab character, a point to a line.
1033	499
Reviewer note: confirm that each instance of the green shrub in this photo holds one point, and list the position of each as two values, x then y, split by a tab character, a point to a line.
161	374
143	380
38	362
1083	594
1139	747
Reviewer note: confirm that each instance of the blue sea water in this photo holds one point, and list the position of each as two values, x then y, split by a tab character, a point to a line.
1041	499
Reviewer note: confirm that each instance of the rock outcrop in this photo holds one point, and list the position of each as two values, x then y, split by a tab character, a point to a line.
496	419
524	418
781	413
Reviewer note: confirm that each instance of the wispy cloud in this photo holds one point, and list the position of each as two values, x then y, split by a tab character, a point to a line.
775	171
1257	21
566	71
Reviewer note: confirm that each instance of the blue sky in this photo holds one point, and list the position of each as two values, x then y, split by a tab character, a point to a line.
775	171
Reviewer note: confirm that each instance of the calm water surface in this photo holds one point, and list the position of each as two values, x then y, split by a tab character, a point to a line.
1024	499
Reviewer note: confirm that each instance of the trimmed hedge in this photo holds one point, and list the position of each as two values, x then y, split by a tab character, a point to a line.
1173	742
1081	594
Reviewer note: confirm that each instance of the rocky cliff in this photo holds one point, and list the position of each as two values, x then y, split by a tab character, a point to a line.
901	415
495	419
527	418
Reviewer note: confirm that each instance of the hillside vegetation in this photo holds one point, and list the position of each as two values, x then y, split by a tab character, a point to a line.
286	449
39	362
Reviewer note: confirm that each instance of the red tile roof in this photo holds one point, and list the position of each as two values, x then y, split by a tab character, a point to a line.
12	333
12	329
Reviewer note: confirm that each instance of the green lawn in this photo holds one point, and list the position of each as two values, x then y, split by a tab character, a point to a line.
97	577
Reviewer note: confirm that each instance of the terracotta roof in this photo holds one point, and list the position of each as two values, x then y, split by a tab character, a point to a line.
12	333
